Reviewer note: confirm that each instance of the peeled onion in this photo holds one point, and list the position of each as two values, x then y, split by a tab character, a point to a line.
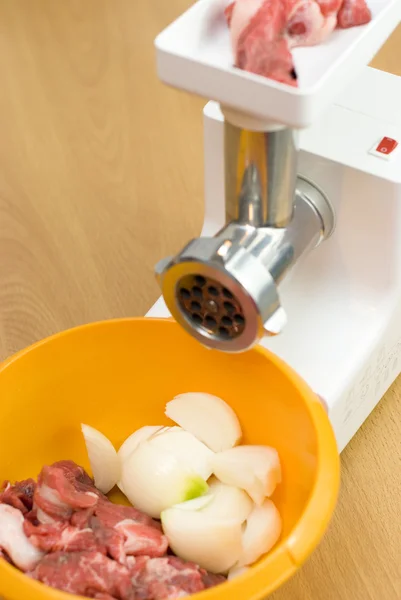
262	530
228	502
104	462
255	469
208	418
213	543
154	480
186	448
136	438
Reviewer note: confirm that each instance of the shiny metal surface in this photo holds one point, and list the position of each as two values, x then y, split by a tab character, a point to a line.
261	172
224	290
244	263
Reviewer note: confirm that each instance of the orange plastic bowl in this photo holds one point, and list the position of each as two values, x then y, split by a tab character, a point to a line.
117	376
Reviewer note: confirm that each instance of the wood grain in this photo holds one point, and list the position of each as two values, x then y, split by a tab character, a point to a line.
101	175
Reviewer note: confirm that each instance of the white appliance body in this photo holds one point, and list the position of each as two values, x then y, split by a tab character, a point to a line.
343	300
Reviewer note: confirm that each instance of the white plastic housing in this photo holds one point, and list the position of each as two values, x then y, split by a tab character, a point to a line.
194	54
344	300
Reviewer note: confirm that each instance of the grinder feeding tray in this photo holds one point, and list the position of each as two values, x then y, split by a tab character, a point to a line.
194	53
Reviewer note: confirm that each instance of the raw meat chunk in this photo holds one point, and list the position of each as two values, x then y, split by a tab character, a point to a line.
211	579
72	538
86	574
182	566
111	514
80	518
109	539
67	502
60	537
244	11
263	31
353	13
61	489
329	7
14	541
124	530
142	540
167	578
306	25
19	495
257	39
76	475
228	12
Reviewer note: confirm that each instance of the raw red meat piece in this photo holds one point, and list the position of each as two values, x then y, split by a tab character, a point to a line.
86	574
260	47
78	477
169	577
111	514
208	579
329	7
19	495
124	530
228	12
306	24
110	539
211	579
353	13
142	540
81	518
264	31
121	530
13	540
63	488
61	537
94	548
165	578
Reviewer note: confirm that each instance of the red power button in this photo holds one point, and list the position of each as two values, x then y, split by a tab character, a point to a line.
386	146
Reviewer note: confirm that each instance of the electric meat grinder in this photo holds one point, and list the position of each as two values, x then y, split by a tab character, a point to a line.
308	178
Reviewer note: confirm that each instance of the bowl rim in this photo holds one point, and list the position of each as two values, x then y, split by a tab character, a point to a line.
288	555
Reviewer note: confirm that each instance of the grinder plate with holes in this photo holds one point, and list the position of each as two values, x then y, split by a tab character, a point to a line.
207	305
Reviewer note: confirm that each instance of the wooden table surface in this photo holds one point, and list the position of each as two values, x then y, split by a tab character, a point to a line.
100	176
